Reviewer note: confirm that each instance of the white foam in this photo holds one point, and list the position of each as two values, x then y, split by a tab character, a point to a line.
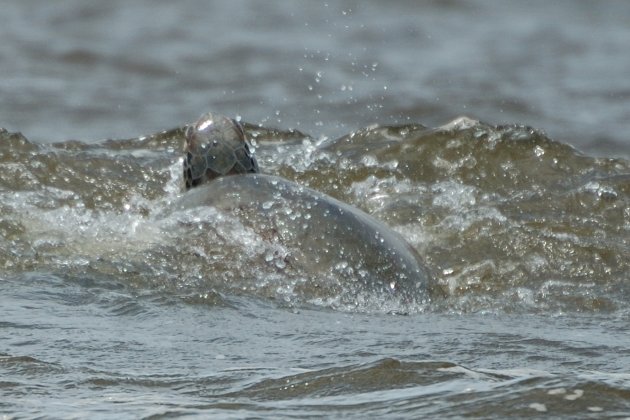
459	123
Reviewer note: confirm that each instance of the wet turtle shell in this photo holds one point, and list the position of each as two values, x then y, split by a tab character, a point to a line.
216	146
323	238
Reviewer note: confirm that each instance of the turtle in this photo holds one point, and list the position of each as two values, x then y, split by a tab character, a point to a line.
323	234
216	146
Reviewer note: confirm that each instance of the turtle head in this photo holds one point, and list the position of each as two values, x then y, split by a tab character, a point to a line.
216	146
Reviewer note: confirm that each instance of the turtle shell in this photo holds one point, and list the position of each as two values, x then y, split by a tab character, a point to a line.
216	146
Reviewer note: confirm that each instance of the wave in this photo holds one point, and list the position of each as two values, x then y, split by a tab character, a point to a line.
505	218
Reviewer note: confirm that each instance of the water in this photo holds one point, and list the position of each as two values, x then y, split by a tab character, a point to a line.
116	304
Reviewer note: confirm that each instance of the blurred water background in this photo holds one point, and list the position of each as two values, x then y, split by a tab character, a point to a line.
92	70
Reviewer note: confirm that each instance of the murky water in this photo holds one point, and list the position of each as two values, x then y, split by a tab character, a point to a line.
116	302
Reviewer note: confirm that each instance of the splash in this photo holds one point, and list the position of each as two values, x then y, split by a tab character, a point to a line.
505	218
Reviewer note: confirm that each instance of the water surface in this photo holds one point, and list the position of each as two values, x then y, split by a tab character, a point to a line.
113	303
